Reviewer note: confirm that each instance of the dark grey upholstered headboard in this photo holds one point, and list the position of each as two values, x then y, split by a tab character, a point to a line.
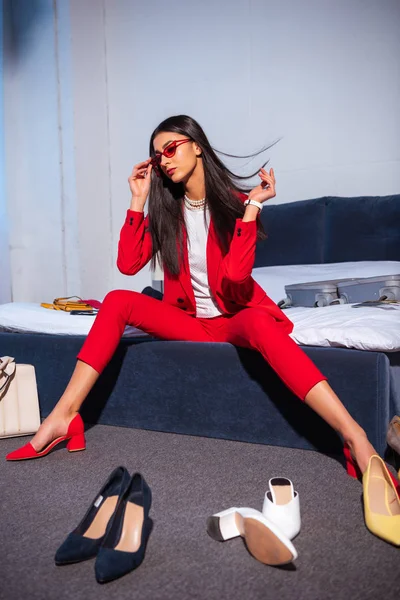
330	229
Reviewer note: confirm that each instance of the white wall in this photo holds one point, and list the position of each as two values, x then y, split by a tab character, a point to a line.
93	78
32	145
5	271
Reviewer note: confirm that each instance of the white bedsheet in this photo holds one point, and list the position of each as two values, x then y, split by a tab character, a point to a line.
369	328
32	318
363	328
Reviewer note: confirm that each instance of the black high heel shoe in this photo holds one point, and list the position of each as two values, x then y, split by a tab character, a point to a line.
85	540
124	546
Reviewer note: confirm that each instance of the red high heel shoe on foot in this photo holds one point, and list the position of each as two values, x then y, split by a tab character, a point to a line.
353	469
75	435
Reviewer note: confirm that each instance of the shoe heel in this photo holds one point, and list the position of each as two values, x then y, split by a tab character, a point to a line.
222	526
396	483
396	461
77	443
352	467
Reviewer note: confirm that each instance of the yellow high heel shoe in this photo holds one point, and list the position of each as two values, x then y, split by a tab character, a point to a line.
381	502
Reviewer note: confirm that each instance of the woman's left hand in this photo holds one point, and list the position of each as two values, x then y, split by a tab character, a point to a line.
266	189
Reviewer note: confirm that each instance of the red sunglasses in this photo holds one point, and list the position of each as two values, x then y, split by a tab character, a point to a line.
168	152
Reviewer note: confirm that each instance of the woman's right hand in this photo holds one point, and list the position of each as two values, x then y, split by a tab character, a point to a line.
139	182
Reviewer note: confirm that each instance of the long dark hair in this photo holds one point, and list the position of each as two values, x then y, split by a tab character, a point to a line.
222	188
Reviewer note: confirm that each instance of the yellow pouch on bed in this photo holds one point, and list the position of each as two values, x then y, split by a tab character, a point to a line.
68	304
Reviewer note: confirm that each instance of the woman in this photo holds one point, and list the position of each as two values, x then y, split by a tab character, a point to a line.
205	231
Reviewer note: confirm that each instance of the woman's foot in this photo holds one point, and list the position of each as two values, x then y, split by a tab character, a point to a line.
358	451
53	427
49	436
361	450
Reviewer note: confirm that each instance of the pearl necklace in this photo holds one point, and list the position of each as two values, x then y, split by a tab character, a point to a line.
193	204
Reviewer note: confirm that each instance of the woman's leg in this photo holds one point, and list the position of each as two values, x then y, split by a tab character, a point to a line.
119	308
254	328
326	403
56	424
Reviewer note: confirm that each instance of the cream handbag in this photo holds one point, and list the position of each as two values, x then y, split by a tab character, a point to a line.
19	402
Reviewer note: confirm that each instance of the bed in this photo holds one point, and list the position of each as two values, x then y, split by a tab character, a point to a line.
219	390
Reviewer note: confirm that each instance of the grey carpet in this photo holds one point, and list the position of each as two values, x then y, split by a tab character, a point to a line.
191	478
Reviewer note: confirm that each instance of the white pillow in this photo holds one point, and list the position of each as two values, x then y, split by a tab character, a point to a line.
363	328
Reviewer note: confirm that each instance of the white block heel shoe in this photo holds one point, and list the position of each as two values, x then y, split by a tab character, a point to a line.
263	539
282	506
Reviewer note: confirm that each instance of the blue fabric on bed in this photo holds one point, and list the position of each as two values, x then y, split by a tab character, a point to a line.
210	389
330	229
362	228
295	234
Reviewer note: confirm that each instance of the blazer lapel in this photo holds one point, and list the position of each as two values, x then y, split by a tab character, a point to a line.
213	257
184	276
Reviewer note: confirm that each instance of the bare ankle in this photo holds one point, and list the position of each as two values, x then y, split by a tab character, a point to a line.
63	414
354	435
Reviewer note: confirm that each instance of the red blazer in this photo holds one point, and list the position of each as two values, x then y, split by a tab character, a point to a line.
229	276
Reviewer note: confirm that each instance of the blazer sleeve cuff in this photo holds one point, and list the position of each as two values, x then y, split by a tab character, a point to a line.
133	216
246	224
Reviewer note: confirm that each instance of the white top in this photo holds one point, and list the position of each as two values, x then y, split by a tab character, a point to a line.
197	233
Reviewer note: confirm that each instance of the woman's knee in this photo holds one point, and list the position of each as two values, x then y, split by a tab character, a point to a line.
249	327
119	301
256	320
118	296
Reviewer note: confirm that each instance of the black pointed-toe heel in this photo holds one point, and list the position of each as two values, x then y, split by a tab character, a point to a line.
124	546
85	540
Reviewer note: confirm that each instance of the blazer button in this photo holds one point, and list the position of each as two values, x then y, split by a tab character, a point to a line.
131	221
239	233
180	300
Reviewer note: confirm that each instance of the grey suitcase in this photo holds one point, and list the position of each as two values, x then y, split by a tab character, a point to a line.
313	294
386	287
342	291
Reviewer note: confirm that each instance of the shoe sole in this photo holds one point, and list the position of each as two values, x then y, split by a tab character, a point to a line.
40	455
261	541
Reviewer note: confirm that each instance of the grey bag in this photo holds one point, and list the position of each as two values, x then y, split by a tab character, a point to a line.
342	291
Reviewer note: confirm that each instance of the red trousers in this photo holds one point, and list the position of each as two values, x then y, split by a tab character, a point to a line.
250	328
